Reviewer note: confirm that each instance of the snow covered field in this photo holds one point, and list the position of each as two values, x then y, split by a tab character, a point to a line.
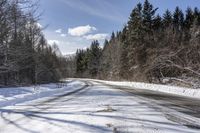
12	96
95	108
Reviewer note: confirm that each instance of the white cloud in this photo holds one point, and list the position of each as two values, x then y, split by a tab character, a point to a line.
63	35
51	42
68	44
81	30
97	37
58	31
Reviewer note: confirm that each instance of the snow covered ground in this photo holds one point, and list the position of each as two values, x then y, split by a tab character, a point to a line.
94	109
181	91
12	96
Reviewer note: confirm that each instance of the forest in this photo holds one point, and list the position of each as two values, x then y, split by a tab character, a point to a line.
25	56
150	48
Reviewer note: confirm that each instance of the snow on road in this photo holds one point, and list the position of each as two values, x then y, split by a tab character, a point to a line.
94	109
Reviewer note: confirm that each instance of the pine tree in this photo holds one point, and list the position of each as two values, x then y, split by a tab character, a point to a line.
135	26
189	19
148	14
196	12
106	43
135	40
157	23
124	66
167	18
113	36
94	58
197	15
105	61
178	19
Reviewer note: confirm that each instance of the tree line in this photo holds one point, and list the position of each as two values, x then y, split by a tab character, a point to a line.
150	48
25	56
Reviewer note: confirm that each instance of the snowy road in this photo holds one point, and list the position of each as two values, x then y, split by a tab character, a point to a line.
99	108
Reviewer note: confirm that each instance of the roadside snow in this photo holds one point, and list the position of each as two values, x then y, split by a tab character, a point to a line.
12	96
181	91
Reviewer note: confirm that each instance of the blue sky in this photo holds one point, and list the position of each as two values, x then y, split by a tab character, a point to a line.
73	24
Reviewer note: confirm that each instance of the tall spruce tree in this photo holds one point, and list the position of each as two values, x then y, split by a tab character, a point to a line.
134	37
124	60
148	14
157	23
189	19
167	18
94	58
178	19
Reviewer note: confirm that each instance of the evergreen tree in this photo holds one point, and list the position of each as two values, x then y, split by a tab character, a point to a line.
197	15
135	40
94	58
112	37
157	23
135	26
189	19
196	12
124	66
148	14
178	19
105	61
167	18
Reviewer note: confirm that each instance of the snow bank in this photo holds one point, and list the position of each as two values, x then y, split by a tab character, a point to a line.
181	91
12	96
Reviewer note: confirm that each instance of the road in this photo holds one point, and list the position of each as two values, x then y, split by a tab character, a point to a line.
99	108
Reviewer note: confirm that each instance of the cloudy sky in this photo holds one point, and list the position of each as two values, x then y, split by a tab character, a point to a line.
73	24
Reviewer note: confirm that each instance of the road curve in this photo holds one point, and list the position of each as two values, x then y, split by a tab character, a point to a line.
99	108
190	107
